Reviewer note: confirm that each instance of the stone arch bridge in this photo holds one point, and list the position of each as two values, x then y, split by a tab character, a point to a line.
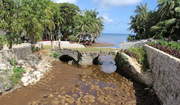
83	58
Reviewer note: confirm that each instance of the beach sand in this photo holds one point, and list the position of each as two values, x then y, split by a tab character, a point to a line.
100	45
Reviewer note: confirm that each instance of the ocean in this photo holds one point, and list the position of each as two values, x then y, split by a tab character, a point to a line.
115	39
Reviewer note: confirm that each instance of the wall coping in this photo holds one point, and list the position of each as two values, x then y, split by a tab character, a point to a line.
164	53
135	68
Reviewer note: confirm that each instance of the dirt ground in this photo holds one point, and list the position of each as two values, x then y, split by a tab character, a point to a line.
69	85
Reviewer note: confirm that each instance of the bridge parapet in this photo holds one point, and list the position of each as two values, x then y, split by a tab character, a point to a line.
85	58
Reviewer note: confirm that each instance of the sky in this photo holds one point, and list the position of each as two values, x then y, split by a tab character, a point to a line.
116	13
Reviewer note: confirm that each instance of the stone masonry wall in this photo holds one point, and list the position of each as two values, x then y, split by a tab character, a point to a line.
34	64
166	75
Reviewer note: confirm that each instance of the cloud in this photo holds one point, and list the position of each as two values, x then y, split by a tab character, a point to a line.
106	18
65	1
116	3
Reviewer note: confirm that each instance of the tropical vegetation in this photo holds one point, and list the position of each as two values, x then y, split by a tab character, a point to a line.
54	54
46	20
139	54
160	23
170	47
17	74
88	25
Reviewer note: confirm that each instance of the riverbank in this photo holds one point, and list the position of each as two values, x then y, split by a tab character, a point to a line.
61	75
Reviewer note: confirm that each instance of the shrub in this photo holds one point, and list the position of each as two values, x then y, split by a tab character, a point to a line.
12	61
17	74
1	41
73	38
54	55
34	49
171	47
130	38
140	55
123	58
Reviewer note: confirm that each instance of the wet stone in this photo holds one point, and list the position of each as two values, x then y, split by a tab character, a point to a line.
95	87
55	102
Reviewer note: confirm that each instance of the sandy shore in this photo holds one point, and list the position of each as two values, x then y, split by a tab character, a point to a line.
100	45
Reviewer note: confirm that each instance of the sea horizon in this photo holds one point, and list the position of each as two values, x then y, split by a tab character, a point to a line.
118	33
113	38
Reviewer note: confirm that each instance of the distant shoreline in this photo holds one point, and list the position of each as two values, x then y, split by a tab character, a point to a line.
99	44
115	34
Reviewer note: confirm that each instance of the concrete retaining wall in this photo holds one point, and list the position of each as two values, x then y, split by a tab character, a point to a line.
126	45
166	75
18	53
130	68
63	44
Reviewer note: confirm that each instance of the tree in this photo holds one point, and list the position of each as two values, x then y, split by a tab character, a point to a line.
158	24
82	25
11	20
169	23
38	18
88	25
138	22
68	12
58	20
97	23
33	19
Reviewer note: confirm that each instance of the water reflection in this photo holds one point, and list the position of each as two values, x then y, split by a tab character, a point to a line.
107	64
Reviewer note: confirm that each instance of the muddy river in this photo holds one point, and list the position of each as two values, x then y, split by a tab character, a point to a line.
68	85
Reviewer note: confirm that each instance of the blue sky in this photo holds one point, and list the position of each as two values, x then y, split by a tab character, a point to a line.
116	13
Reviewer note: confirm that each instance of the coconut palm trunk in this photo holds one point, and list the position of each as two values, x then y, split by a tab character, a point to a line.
93	41
52	42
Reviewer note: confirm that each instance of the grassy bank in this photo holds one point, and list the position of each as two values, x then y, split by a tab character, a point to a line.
95	49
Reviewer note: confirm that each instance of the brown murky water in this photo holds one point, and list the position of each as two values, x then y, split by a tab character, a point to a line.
67	85
95	87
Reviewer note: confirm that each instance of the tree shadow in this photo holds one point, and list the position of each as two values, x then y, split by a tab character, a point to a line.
144	94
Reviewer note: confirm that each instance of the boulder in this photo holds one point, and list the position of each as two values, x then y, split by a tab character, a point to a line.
107	63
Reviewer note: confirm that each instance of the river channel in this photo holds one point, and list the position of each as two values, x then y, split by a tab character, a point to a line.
96	87
70	85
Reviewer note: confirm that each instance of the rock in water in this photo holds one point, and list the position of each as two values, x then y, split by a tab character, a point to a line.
107	64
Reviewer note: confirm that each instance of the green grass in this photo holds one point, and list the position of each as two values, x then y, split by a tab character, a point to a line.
95	49
48	47
140	55
12	61
16	76
54	55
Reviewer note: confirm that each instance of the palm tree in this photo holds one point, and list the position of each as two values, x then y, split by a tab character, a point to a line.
97	24
10	20
49	25
138	23
82	24
169	23
89	25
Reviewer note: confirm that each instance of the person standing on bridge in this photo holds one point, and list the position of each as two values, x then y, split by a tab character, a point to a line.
59	43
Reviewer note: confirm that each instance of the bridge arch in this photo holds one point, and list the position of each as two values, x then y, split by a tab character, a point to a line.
82	58
66	58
